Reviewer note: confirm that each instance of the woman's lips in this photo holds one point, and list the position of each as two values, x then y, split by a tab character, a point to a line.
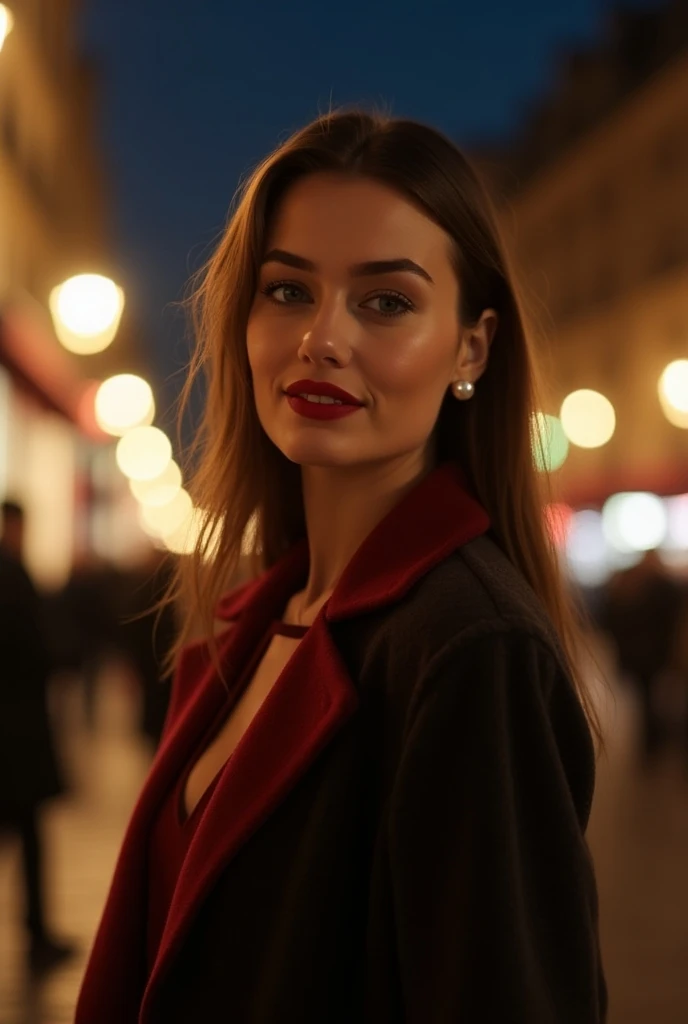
320	410
321	388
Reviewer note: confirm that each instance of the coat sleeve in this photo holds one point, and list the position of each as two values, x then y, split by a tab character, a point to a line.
493	888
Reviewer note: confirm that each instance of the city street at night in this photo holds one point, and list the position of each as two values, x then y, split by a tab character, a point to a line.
344	363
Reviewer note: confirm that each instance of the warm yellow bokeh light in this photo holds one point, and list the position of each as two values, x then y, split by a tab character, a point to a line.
6	23
588	419
675	416
181	542
160	489
86	312
164	519
143	453
673	393
123	402
184	540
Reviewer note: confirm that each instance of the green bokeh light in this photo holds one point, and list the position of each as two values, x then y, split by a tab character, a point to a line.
550	443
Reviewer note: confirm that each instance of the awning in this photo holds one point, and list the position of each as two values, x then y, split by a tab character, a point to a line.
665	478
33	357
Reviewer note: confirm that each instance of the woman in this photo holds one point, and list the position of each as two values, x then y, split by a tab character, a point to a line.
372	791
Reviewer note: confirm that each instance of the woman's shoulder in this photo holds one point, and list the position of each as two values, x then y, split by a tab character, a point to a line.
464	615
475	591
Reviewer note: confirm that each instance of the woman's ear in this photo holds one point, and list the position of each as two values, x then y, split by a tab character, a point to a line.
474	349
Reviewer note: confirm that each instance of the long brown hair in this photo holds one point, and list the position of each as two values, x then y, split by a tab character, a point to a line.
239	476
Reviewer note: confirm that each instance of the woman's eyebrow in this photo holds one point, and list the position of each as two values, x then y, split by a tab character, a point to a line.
290	259
368	269
389	267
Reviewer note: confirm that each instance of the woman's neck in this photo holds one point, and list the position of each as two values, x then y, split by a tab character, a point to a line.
342	507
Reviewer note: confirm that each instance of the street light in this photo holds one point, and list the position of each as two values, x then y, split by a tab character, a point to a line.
86	312
6	24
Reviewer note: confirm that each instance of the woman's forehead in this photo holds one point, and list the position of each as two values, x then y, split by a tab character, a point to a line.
330	217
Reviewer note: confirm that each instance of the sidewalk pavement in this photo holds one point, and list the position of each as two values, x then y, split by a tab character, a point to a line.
83	833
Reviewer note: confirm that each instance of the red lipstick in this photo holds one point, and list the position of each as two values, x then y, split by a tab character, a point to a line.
341	402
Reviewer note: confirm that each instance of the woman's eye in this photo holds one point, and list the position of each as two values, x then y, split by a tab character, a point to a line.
285	293
389	304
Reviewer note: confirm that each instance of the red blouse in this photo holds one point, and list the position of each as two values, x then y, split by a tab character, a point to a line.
173	829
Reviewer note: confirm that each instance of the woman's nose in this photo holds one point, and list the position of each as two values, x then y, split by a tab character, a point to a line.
327	338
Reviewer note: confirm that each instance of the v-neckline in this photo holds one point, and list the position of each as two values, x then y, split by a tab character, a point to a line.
186	819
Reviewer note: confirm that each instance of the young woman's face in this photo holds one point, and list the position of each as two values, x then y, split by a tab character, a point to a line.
356	293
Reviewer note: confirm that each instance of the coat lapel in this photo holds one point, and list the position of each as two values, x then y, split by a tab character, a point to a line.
197	698
115	976
434	519
312	699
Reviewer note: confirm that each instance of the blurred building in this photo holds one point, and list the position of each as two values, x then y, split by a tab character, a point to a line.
52	225
595	201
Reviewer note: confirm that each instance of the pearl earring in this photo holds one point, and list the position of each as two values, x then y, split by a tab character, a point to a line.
463	389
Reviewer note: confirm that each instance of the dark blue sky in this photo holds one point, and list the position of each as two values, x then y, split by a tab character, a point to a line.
196	91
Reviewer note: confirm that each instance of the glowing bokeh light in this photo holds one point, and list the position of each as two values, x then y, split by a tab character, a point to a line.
588	419
86	312
6	23
123	402
550	443
161	489
673	393
184	540
558	519
677	523
634	521
249	539
675	416
586	548
673	385
163	519
143	453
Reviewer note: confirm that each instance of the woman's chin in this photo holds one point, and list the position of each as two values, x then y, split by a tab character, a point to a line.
324	455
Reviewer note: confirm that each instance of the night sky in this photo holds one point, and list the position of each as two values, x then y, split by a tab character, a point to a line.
194	92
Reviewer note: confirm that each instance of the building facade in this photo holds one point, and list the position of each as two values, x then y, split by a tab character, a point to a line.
52	225
595	205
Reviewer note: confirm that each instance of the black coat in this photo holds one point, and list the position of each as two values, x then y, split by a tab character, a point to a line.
29	770
400	835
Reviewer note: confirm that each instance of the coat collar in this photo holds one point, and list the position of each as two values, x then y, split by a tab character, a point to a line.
311	701
436	517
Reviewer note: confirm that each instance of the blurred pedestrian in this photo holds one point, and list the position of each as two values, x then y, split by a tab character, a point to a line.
370	799
90	606
641	611
29	772
148	631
